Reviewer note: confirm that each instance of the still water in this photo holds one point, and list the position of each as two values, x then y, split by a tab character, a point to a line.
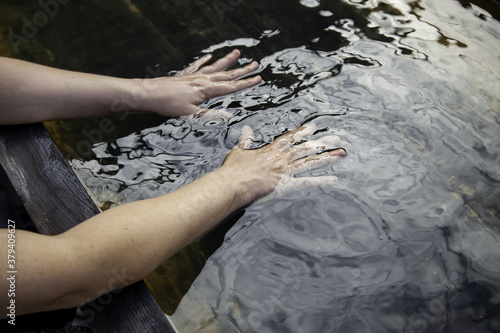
409	239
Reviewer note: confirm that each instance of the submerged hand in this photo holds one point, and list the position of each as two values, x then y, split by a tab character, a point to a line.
181	95
271	170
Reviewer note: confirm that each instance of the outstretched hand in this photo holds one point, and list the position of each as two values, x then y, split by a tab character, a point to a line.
270	171
180	95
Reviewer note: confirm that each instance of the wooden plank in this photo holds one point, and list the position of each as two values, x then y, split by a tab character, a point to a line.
57	201
50	191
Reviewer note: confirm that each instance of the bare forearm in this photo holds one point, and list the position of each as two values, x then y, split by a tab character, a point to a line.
32	93
135	238
117	247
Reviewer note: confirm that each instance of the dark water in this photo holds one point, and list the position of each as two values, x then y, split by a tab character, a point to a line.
408	240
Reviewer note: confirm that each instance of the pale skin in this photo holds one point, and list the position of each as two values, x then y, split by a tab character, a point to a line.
58	94
123	244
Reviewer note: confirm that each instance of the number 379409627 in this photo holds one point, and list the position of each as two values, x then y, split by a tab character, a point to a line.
11	252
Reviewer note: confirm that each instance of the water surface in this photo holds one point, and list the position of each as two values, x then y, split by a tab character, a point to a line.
408	240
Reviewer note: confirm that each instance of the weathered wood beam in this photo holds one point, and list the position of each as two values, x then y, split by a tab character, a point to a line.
56	202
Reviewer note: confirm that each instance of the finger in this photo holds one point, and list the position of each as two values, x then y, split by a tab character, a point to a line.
196	65
287	140
316	161
313	147
221	64
246	137
235	73
228	87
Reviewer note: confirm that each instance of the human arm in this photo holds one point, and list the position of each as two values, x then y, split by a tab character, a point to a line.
33	93
124	244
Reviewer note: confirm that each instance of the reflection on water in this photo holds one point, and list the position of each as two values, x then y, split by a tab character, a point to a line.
408	240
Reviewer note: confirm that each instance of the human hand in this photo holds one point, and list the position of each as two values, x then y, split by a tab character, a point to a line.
270	171
180	95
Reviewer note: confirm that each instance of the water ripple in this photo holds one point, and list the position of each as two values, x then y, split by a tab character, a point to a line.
408	240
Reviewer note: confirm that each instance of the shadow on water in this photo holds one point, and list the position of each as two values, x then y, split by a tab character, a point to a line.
408	239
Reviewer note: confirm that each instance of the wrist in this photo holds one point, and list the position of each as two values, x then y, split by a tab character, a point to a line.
232	184
130	96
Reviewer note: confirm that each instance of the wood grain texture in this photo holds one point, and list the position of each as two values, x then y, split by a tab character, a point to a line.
50	191
57	201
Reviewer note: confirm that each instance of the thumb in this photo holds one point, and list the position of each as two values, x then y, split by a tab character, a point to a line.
246	137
